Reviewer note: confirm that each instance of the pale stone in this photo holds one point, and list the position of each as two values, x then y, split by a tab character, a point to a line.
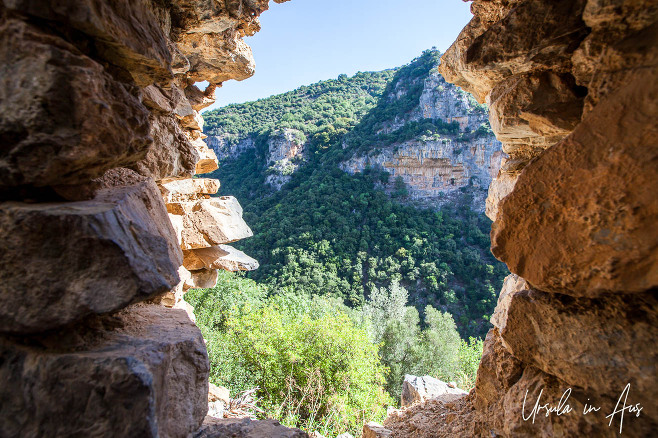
417	389
203	279
208	160
188	189
218	257
220	393
208	222
375	430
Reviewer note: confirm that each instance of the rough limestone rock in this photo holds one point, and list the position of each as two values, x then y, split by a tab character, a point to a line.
579	238
172	155
513	37
126	33
202	279
246	428
141	372
375	430
187	189
534	111
218	257
497	373
208	160
61	129
208	222
100	256
416	389
567	337
512	284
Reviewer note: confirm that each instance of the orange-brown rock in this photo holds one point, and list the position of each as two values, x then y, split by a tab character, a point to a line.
208	222
589	229
569	337
142	372
100	256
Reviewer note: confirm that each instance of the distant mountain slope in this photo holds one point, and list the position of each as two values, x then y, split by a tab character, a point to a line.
329	215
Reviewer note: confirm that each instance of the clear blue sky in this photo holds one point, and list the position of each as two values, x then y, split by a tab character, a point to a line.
306	41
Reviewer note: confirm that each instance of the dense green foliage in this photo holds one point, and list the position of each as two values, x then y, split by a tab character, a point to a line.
333	234
314	364
312	109
356	286
319	364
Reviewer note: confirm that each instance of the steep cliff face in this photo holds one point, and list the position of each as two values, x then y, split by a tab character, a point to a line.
430	133
437	167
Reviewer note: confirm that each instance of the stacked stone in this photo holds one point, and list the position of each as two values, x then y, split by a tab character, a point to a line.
572	88
100	121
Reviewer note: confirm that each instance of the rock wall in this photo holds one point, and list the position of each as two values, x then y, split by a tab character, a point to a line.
573	92
102	225
439	169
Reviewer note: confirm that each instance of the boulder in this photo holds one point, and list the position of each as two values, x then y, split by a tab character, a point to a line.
511	285
218	393
208	159
63	119
208	222
590	229
418	389
375	430
99	256
246	428
218	257
536	386
533	111
142	372
511	38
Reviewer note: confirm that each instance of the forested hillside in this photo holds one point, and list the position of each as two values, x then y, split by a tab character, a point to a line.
327	232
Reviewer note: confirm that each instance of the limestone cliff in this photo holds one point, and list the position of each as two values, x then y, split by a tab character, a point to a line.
438	168
435	168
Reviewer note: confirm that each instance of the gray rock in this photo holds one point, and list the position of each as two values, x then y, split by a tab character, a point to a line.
99	256
246	428
415	389
72	122
140	373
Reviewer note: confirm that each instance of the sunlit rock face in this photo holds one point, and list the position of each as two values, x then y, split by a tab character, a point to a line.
101	136
439	169
572	88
